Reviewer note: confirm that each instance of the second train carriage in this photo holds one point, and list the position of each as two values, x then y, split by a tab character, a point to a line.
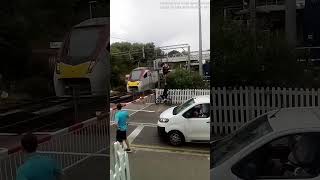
83	61
142	79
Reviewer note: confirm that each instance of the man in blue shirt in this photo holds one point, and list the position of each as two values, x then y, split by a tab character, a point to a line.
121	119
37	167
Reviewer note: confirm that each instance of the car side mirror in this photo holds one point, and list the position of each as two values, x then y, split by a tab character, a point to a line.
187	115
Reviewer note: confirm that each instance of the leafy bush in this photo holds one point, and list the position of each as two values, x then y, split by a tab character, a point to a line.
183	79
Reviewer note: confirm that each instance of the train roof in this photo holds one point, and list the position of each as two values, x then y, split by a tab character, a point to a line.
101	21
142	68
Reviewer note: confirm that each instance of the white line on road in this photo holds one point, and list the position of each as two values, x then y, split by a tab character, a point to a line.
137	124
112	122
144	124
140	109
171	151
74	153
135	133
83	159
135	110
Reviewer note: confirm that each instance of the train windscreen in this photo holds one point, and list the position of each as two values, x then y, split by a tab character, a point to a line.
135	75
83	42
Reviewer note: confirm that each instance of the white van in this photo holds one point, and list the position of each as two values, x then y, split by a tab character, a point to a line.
188	122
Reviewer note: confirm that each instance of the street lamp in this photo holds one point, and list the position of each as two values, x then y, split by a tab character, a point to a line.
90	7
200	41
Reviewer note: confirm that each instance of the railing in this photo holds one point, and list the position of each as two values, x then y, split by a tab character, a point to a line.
68	147
146	99
233	107
120	168
179	96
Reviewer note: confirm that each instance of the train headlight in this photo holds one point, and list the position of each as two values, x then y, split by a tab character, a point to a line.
163	120
58	68
90	68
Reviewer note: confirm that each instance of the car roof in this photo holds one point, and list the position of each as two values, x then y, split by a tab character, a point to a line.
202	99
295	118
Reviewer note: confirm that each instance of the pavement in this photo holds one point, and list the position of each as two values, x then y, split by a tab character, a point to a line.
152	157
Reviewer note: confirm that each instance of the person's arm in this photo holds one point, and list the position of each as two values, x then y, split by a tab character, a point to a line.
116	119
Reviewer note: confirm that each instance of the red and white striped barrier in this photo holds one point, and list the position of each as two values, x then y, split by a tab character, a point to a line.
67	146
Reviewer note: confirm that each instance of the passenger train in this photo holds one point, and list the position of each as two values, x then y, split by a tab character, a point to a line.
142	79
83	61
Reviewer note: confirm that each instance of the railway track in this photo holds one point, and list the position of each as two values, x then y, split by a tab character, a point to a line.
54	113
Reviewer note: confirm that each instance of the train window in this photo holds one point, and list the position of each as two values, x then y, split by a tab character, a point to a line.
135	75
83	42
145	75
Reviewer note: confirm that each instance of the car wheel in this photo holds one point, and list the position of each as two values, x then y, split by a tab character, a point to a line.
176	138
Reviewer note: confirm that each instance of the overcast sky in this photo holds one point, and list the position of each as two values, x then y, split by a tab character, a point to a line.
164	22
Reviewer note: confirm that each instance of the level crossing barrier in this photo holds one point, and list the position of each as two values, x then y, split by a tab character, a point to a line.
69	146
120	168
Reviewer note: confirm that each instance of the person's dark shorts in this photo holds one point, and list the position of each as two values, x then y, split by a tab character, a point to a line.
121	135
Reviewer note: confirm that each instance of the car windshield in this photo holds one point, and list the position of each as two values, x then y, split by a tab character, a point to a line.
250	132
83	42
183	106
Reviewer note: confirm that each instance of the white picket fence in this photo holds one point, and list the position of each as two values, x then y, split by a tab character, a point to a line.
179	96
233	107
120	169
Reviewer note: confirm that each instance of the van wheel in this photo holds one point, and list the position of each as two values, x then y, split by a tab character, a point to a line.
176	138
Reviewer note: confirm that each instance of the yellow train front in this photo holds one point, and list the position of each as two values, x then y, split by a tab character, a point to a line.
83	62
142	79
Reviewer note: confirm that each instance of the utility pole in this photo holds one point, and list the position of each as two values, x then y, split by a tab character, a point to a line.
90	7
189	63
200	41
291	22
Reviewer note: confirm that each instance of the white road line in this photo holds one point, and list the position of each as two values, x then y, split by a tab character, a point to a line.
11	112
135	133
137	124
144	124
136	110
9	134
172	152
140	110
83	159
73	153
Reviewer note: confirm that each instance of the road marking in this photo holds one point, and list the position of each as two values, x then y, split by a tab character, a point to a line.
138	110
170	151
176	149
135	133
9	134
74	153
11	112
137	124
144	124
83	159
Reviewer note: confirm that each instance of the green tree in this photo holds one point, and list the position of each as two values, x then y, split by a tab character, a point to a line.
183	79
125	57
237	63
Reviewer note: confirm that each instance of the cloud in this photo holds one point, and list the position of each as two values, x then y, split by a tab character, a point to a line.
164	22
